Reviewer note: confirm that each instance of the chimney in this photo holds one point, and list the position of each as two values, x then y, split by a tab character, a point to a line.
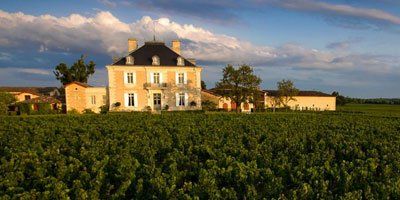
176	46
132	44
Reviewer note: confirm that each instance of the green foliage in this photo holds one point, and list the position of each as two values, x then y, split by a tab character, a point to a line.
5	100
208	105
42	109
181	155
88	111
79	71
286	92
203	85
166	107
24	108
340	100
104	109
240	85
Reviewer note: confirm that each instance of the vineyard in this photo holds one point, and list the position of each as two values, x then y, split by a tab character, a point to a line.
200	156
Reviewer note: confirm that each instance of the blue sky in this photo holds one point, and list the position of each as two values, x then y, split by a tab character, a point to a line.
348	46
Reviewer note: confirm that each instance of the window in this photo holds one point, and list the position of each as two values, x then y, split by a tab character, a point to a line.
104	99
180	61
157	99
93	99
181	78
129	60
27	97
129	78
156	60
131	99
181	99
156	77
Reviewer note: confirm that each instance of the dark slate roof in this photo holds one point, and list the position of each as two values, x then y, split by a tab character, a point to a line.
31	90
211	92
143	55
301	93
78	83
42	99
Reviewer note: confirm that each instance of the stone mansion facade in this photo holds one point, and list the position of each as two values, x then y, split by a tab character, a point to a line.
152	77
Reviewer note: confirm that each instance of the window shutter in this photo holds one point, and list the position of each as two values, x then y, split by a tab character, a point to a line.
186	99
151	77
134	77
161	78
177	99
177	78
185	78
136	100
125	78
126	98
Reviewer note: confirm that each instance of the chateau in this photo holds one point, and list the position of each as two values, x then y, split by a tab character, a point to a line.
157	77
152	77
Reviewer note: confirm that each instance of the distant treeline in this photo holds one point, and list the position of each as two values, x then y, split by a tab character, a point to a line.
342	100
393	101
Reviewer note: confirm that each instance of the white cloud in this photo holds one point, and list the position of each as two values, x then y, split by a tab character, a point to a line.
33	71
340	9
108	3
104	33
5	56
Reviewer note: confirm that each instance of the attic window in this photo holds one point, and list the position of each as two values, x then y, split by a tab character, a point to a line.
156	60
129	60
180	61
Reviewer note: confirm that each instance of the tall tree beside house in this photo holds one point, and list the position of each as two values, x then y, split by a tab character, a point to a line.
203	85
340	100
79	71
239	85
286	92
5	100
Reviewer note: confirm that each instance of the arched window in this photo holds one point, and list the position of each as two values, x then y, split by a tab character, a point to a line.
129	60
233	105
225	106
180	61
246	106
156	60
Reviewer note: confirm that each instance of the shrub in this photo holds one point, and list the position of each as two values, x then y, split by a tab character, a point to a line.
166	107
88	111
208	105
104	109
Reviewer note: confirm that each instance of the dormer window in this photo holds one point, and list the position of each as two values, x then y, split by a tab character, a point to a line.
129	60
156	60
180	61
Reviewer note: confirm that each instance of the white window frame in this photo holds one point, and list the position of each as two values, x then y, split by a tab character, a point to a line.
152	80
155	60
127	76
180	61
131	100
177	78
181	99
129	60
181	78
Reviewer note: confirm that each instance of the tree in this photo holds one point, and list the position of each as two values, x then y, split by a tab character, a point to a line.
286	92
5	100
340	100
79	71
239	85
203	85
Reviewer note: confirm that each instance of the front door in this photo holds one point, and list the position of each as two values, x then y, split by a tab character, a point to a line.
157	101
